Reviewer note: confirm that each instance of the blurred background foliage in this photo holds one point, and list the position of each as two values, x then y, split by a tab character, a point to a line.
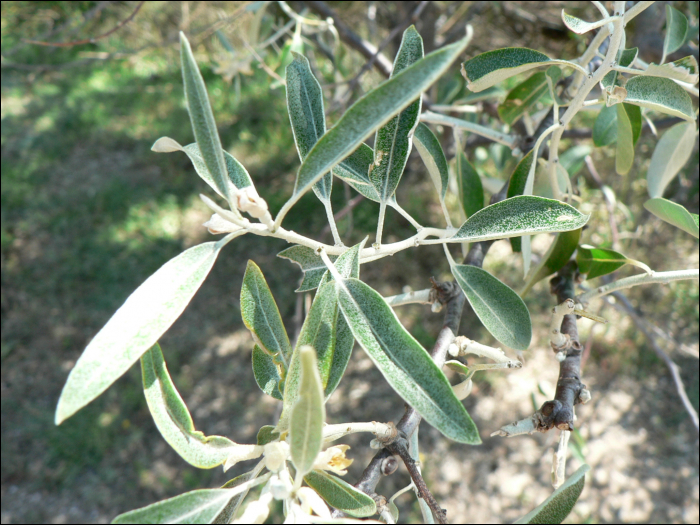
88	212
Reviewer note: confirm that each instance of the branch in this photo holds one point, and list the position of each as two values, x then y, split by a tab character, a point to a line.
89	40
560	411
451	296
570	391
635	280
354	82
581	134
400	448
642	325
347	35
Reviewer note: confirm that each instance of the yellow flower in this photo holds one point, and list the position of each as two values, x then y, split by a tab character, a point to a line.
333	459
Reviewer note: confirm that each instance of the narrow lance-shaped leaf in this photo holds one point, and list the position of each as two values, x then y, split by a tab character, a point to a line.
660	94
262	317
310	263
429	148
405	364
558	254
523	215
434	159
202	118
492	67
605	126
525	95
595	262
579	26
137	325
558	506
471	191
574	158
266	373
173	419
326	331
370	112
392	142
516	187
674	214
684	69
308	415
624	155
676	30
306	113
197	506
355	171
341	495
226	514
348	265
319	328
625	58
670	155
499	308
237	174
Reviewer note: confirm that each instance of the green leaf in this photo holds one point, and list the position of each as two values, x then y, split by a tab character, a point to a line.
227	513
173	419
237	175
601	261
319	328
660	94
579	26
266	373
670	155
499	308
522	215
492	67
310	263
261	316
267	434
405	364
372	111
558	506
684	69
625	58
308	415
202	118
355	171
624	155
605	126
341	495
197	506
392	142
430	151
516	187
674	214
326	331
522	97
458	367
137	325
574	158
306	113
348	264
557	256
676	30
471	191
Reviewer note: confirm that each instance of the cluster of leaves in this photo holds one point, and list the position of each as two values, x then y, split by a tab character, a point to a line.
345	309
